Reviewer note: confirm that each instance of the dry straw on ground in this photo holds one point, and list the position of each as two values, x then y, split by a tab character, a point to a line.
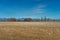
29	30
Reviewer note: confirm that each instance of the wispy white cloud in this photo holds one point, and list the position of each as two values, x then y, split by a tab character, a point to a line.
39	9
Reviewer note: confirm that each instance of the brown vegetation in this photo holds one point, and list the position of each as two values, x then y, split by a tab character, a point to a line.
29	31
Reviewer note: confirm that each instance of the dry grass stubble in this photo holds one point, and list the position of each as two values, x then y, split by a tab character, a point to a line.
29	31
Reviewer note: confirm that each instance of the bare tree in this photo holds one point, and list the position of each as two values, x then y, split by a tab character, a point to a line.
11	19
28	19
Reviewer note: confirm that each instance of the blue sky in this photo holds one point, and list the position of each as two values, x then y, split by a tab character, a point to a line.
30	8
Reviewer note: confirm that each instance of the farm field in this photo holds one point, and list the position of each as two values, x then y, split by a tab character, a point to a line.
29	30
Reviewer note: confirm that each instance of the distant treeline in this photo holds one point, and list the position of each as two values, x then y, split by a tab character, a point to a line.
29	19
